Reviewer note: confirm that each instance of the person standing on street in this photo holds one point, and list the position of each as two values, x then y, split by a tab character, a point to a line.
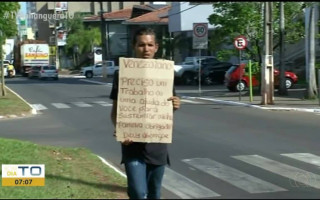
144	162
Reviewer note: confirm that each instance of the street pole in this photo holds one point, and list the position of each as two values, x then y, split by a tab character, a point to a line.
240	77
250	81
282	88
199	72
56	38
103	40
267	86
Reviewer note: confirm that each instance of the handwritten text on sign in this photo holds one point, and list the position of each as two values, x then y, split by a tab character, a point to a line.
143	113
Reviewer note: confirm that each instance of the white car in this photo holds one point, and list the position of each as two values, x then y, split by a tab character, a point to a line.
98	70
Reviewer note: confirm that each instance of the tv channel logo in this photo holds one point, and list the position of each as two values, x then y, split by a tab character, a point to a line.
23	175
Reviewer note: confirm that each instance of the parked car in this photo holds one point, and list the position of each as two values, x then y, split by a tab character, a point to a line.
233	75
213	71
98	70
43	72
186	73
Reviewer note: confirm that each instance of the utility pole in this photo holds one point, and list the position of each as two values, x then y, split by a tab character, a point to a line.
56	38
103	33
310	58
267	86
103	40
282	88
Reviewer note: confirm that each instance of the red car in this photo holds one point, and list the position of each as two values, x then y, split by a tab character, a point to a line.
232	78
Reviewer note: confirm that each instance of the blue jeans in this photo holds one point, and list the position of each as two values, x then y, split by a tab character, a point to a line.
144	180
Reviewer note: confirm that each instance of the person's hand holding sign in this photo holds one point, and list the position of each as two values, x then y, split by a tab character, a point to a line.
175	102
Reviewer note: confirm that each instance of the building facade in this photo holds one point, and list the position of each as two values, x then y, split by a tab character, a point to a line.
182	15
51	30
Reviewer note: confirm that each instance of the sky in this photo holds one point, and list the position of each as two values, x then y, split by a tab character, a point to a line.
23	8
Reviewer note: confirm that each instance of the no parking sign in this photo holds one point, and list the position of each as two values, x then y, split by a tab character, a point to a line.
240	42
200	35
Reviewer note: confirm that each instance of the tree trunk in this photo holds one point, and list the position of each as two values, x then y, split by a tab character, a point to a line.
3	90
310	57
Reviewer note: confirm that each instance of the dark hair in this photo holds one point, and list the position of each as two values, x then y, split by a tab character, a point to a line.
144	31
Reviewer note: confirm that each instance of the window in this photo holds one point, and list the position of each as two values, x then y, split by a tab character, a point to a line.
6	62
188	63
231	69
121	5
109	64
109	7
210	61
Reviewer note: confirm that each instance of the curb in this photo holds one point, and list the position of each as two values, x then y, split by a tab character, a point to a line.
97	82
33	110
312	110
70	76
111	166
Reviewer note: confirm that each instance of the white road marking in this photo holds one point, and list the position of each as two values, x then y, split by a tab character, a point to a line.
304	157
184	187
233	176
189	101
296	174
97	82
103	103
39	107
81	104
60	105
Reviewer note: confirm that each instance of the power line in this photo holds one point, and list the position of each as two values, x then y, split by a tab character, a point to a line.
183	10
177	12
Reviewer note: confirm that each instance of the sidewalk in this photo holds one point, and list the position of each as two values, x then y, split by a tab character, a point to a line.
294	101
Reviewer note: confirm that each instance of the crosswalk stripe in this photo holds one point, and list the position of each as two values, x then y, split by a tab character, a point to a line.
296	174
184	187
103	103
60	105
39	107
81	104
233	176
189	101
304	157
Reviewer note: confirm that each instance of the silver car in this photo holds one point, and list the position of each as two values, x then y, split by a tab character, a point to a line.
43	72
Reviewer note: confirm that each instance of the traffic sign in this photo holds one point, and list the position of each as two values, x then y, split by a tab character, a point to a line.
200	35
240	42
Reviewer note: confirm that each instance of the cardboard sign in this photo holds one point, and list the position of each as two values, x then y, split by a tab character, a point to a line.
143	112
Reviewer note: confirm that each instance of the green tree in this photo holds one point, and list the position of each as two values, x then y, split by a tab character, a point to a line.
79	35
246	18
8	18
8	28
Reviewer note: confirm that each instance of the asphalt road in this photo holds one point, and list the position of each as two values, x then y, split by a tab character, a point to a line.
218	151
